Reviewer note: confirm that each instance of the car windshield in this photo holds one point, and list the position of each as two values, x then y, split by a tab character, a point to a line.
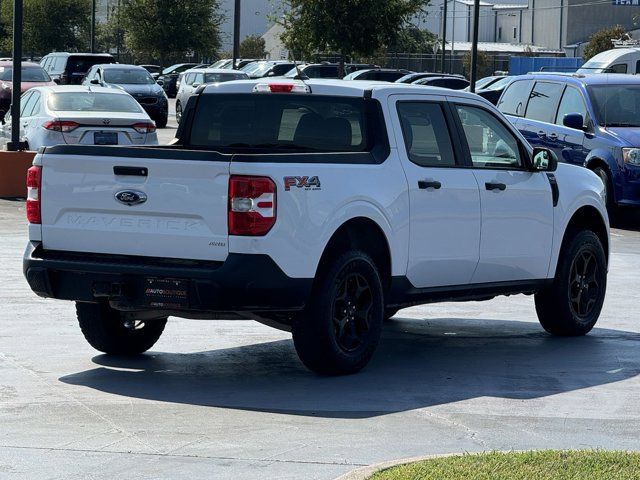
128	76
224	77
29	74
92	102
616	105
290	123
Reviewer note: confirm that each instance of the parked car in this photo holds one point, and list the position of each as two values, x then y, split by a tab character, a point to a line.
415	76
169	77
194	78
319	208
378	74
494	90
616	60
137	82
154	70
32	76
83	115
588	120
268	68
486	82
452	83
325	70
70	68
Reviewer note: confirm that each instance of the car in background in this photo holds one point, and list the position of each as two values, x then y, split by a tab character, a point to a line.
415	76
33	75
194	78
326	69
616	60
495	89
486	82
154	70
70	68
587	120
82	115
169	77
268	68
450	82
378	74
137	82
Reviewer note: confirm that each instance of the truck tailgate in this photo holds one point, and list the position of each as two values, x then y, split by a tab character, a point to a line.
97	204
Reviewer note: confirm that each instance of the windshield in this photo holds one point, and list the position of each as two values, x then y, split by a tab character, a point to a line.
224	77
126	76
616	105
29	74
288	122
92	102
500	83
482	83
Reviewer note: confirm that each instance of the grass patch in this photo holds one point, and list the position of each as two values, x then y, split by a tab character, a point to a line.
540	465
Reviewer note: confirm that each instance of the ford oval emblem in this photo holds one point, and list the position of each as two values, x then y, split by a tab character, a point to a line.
131	197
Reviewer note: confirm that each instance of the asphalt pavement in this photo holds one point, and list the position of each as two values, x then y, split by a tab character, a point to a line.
230	399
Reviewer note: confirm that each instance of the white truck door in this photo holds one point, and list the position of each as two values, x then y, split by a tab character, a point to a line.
517	204
444	199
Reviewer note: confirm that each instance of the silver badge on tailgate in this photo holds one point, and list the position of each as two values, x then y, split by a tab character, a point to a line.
131	197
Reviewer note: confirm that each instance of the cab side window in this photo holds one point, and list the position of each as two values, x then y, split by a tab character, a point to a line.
572	102
618	68
426	134
514	99
543	101
490	142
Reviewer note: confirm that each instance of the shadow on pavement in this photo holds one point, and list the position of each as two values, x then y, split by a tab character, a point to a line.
418	364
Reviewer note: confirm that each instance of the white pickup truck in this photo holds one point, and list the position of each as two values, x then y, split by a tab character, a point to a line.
321	207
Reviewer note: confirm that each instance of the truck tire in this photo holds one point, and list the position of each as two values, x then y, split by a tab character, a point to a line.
572	304
106	331
339	330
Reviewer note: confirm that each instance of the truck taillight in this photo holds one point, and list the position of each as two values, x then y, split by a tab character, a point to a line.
34	181
252	205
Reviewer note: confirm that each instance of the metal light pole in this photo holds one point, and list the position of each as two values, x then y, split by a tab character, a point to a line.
444	36
474	45
236	33
15	145
93	26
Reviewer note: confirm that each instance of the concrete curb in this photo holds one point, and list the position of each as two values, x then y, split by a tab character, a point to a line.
364	473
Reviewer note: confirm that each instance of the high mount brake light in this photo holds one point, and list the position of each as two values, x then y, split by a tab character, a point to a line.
252	205
281	88
34	182
60	126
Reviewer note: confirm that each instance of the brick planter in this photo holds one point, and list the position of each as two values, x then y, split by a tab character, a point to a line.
13	173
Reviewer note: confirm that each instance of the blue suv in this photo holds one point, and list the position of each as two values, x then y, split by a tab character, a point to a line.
590	120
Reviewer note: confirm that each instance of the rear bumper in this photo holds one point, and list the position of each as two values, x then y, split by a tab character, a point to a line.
249	283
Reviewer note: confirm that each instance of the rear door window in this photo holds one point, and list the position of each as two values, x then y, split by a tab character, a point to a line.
572	102
283	122
543	101
514	99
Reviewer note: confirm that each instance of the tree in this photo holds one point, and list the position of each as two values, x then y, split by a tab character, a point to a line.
351	28
50	25
253	47
484	64
413	40
602	40
171	30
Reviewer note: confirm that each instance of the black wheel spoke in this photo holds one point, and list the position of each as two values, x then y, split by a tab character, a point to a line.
584	289
352	306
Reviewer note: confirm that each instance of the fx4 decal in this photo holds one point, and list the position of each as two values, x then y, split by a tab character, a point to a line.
308	183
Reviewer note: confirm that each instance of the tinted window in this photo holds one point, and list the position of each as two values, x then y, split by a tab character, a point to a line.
451	83
29	74
279	70
92	102
491	144
282	121
638	66
571	102
385	76
618	68
82	64
514	99
543	101
426	134
223	77
616	105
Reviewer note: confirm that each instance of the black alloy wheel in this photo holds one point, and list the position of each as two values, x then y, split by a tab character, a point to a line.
352	312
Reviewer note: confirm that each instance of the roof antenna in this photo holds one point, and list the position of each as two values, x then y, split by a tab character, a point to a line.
300	74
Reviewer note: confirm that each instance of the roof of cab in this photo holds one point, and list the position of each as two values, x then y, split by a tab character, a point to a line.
352	88
586	78
614	54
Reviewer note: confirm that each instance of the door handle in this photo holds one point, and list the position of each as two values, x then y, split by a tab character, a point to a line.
542	134
132	171
495	186
553	136
426	184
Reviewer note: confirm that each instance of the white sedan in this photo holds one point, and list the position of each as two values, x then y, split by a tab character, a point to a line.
81	115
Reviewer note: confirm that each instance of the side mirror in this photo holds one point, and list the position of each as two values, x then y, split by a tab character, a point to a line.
573	120
95	81
544	160
160	82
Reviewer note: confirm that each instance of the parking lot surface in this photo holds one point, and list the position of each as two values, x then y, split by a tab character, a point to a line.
230	399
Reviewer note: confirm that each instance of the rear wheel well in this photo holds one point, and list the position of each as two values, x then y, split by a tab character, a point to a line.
588	218
360	234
